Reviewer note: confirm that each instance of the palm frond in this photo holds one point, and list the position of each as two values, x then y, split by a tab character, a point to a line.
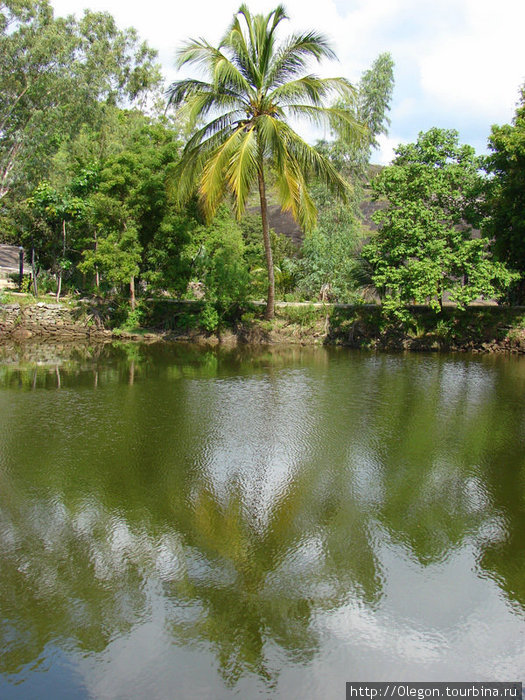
213	181
228	75
341	121
183	177
201	146
221	71
310	161
267	51
196	52
243	168
294	162
314	90
293	57
270	142
241	48
246	14
294	196
197	108
181	90
221	125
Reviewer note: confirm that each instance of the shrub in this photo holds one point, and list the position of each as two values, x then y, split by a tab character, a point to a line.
209	318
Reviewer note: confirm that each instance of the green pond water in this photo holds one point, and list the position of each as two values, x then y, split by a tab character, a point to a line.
178	522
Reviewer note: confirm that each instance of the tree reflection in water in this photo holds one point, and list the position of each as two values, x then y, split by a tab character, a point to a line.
253	492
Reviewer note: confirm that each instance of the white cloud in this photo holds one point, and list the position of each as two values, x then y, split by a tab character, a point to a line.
385	153
464	59
481	69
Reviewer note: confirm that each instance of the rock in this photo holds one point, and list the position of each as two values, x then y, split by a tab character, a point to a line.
21	334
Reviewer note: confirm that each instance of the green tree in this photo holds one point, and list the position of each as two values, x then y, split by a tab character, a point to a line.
170	258
219	261
374	94
118	252
187	249
134	228
330	253
56	209
506	221
56	75
425	246
254	86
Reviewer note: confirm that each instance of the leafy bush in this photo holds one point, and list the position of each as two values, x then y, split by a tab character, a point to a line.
134	318
46	282
443	329
248	317
209	318
27	285
186	320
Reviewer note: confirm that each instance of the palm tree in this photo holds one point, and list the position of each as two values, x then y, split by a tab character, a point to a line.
254	86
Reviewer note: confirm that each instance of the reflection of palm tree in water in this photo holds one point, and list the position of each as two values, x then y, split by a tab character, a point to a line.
275	529
261	587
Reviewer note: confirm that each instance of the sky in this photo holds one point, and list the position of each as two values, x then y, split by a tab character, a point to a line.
459	64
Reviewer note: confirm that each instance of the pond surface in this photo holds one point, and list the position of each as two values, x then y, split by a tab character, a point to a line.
181	522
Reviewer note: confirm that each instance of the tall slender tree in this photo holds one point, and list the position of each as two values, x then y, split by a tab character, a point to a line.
506	195
375	95
254	85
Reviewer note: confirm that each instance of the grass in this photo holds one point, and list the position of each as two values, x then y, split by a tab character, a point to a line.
26	299
301	315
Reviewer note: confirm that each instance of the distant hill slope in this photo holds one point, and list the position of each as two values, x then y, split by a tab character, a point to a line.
283	222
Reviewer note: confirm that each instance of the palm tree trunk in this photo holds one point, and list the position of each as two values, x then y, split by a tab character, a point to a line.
270	303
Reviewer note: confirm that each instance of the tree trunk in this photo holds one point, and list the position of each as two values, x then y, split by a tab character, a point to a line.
59	274
270	303
33	270
97	276
9	164
132	292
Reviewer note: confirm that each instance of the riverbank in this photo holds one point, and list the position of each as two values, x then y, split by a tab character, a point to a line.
477	329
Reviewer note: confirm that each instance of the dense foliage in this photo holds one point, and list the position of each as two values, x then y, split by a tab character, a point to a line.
506	201
58	75
426	247
112	195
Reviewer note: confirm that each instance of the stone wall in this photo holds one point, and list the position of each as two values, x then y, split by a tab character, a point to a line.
47	320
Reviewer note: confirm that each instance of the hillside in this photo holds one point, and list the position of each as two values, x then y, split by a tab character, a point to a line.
283	222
